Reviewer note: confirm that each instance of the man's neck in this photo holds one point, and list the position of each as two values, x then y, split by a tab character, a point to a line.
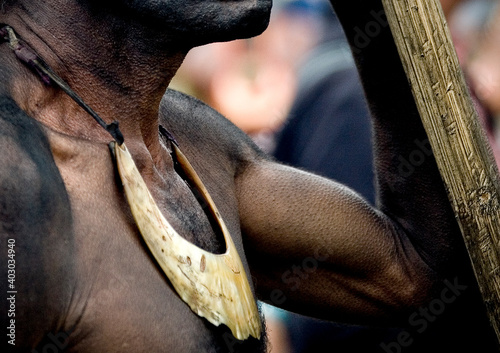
121	72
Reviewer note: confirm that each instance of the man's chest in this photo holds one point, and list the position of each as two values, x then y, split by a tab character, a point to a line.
125	300
127	303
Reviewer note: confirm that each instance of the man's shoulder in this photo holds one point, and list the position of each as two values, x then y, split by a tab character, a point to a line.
20	135
193	122
29	178
26	158
35	215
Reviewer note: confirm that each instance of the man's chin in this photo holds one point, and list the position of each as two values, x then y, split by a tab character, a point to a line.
193	22
248	24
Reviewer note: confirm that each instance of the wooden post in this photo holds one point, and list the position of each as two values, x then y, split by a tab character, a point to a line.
461	149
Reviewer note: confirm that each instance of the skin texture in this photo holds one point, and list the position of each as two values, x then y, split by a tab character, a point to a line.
309	244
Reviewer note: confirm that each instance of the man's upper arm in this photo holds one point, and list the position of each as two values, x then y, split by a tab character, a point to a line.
35	230
317	248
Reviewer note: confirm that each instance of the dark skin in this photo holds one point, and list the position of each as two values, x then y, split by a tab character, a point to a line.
82	267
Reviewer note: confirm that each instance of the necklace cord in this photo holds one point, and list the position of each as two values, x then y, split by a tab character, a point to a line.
27	56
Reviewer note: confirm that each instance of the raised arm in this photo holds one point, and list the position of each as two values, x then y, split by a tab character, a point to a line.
318	248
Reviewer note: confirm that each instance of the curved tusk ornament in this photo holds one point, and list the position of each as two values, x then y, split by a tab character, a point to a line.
214	286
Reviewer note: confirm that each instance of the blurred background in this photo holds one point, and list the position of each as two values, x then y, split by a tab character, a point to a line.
296	92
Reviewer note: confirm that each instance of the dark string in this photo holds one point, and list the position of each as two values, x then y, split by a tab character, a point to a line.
26	55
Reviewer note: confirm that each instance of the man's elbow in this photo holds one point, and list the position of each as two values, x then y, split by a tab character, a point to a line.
406	290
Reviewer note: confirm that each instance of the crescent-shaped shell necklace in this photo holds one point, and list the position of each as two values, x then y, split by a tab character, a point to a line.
214	286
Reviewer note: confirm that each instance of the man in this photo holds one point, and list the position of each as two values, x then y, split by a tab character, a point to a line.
85	282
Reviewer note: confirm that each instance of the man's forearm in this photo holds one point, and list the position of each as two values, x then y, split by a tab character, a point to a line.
410	190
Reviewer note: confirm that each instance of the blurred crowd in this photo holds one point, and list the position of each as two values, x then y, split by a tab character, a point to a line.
253	82
296	92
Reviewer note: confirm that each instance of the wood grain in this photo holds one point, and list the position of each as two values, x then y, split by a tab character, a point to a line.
461	149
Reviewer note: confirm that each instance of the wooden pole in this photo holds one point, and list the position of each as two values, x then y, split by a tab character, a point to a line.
460	147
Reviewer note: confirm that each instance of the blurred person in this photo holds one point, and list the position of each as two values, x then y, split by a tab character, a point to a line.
484	73
328	130
467	20
448	6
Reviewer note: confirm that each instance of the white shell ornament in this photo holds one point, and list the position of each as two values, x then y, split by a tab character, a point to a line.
214	286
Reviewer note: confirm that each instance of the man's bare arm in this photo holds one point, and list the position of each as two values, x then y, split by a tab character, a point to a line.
317	247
